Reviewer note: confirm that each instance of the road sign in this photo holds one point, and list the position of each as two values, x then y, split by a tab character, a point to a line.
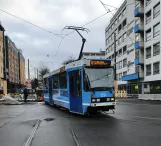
28	83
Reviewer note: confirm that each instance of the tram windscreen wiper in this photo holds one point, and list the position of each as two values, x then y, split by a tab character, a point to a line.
100	77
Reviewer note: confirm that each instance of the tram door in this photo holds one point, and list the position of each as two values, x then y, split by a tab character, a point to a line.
75	91
50	91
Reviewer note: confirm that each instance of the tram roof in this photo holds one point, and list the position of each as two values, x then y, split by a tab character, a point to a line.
79	63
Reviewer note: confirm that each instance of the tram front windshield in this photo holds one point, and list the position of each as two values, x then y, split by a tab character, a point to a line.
100	78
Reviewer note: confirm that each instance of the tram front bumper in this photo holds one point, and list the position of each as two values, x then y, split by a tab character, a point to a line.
103	104
106	106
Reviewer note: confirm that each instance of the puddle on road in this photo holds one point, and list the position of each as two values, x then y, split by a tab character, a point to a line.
49	119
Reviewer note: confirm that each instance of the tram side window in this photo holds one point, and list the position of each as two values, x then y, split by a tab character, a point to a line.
46	83
86	83
63	80
78	83
56	82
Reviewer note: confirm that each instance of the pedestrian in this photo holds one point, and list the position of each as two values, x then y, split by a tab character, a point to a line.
25	94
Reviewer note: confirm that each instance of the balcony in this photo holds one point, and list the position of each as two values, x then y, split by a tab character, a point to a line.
139	28
138	61
139	45
130	77
139	12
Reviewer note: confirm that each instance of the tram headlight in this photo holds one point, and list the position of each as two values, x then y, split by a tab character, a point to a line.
98	100
112	99
93	100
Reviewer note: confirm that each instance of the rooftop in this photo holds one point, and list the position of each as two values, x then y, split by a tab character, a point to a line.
1	27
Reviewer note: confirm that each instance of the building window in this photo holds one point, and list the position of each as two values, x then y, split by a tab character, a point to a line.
109	49
148	35
124	23
119	28
130	30
115	22
148	70
124	50
148	2
156	49
156	30
112	26
120	64
125	73
117	54
156	68
120	40
156	10
124	12
109	40
117	77
119	18
148	17
106	42
117	65
148	52
120	52
116	42
120	76
112	36
137	37
125	62
124	36
112	47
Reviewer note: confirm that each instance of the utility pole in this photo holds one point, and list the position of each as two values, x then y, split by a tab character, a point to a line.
115	77
37	75
28	70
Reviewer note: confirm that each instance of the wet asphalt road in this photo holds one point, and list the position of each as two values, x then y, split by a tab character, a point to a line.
134	123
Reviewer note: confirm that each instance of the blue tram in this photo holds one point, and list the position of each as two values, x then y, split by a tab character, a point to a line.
83	87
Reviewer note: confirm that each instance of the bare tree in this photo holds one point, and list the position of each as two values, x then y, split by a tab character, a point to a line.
42	71
69	60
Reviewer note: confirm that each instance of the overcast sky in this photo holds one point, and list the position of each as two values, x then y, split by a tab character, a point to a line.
53	15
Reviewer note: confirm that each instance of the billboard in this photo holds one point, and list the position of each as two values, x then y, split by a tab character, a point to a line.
28	83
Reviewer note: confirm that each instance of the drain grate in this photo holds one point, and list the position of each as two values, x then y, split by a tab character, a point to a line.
49	119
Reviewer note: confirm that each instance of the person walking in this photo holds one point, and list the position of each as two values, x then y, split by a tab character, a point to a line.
25	95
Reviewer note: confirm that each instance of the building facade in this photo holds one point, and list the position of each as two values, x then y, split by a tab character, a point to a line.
1	59
15	66
21	61
136	26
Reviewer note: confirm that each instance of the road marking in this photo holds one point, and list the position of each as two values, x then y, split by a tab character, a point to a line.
137	104
28	142
75	137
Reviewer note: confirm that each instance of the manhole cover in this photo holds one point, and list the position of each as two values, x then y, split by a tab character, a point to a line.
49	119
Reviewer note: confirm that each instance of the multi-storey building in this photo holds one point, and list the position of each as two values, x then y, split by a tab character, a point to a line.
1	59
136	26
15	65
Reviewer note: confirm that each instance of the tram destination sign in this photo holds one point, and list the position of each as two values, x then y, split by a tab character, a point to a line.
100	63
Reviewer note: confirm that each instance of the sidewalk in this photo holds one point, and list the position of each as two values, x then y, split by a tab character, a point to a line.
137	101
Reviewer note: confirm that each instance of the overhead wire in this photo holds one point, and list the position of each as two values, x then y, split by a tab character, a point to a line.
58	35
92	21
113	14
